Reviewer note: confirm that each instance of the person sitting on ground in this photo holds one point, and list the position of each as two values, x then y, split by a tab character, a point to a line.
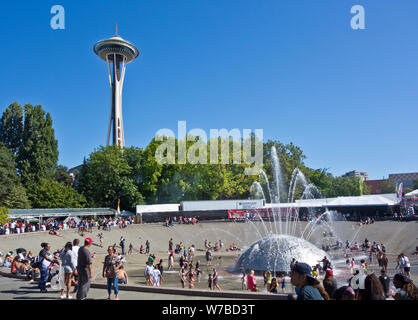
24	267
8	260
15	266
308	288
33	271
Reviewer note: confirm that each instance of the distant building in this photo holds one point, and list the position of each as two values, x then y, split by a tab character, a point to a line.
374	185
355	173
406	178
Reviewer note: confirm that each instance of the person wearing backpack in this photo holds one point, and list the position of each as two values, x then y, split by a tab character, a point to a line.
122	245
45	259
385	281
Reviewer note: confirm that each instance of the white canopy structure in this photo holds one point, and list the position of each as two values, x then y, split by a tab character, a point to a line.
157	208
367	200
412	194
389	199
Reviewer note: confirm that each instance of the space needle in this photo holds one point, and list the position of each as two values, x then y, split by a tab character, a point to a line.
117	52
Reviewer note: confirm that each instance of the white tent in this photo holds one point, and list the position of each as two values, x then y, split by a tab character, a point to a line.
389	199
368	200
412	194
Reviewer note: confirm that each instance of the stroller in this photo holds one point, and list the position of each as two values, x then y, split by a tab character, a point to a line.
53	281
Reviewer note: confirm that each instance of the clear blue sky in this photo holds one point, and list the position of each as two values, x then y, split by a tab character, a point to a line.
294	68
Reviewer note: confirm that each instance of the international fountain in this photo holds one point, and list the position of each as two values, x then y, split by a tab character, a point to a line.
284	238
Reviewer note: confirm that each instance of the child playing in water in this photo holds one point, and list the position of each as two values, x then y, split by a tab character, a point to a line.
210	282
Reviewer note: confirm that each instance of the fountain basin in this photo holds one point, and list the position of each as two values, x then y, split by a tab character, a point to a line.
275	253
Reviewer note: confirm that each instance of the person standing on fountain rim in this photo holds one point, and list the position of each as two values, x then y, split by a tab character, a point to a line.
307	286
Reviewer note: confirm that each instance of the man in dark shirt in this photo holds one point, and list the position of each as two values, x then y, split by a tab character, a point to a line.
84	269
301	277
385	280
170	245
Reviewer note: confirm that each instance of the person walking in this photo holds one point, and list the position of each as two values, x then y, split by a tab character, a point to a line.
170	245
215	280
100	235
45	259
252	282
147	246
68	264
111	267
122	245
182	276
243	281
84	269
75	249
384	262
406	265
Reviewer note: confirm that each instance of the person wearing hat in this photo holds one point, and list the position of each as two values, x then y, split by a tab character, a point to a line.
407	290
308	288
329	283
84	269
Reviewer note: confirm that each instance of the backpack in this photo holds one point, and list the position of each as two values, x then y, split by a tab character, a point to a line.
36	263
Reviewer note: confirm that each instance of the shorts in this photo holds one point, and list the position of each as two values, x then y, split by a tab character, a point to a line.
68	269
407	269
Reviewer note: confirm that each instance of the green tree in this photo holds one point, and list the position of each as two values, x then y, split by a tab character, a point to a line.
415	184
4	215
38	155
106	176
11	127
8	175
52	194
62	176
17	199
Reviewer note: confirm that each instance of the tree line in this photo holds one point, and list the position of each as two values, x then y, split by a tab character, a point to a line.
30	176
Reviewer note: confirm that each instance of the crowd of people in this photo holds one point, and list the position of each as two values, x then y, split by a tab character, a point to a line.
54	226
171	221
71	267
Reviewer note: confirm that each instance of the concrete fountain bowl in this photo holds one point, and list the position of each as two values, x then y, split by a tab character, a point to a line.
275	253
